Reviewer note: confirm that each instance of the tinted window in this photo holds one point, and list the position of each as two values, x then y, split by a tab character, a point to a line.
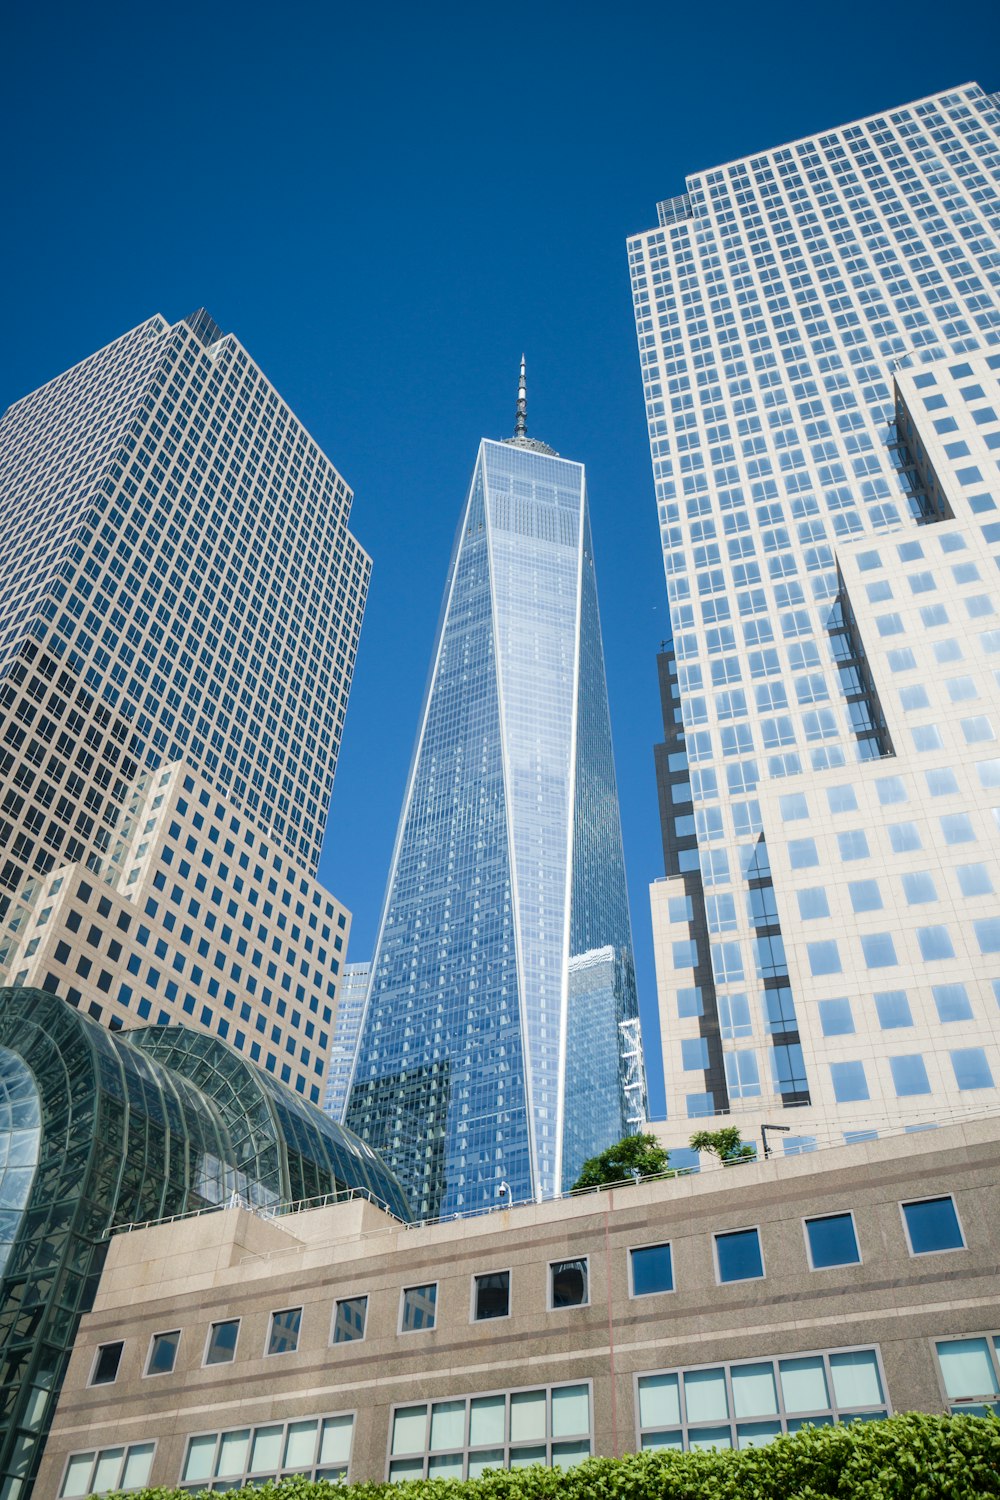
107	1362
569	1283
222	1342
932	1224
162	1353
832	1241
349	1319
739	1255
652	1270
284	1335
492	1295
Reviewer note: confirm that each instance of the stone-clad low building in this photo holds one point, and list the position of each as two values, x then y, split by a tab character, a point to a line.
706	1310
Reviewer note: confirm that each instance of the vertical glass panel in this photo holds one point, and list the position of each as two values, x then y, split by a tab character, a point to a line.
76	1483
709	1437
705	1395
486	1458
570	1410
233	1451
448	1425
335	1444
200	1458
967	1368
754	1391
108	1469
137	1466
486	1420
803	1384
300	1445
527	1416
266	1451
446	1466
568	1455
659	1401
409	1429
855	1378
523	1458
756	1434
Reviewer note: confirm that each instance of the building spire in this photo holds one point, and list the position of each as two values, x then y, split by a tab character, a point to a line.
521	417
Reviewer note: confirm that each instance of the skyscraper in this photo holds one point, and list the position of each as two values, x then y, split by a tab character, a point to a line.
498	1041
815	328
180	606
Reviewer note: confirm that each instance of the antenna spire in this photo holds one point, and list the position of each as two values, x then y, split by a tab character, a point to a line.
521	417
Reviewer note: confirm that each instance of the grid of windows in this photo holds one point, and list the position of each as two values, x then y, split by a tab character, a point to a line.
316	1447
746	1404
462	1437
107	1469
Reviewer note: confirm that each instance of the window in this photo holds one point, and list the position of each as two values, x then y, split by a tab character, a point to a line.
879	950
319	1447
909	1075
349	1317
221	1347
652	1270
849	1081
969	1373
934	943
105	1371
972	1071
491	1296
283	1335
892	1009
418	1308
824	958
952	1002
460	1437
836	1018
744	1405
813	903
832	1241
738	1255
865	895
932	1225
919	888
122	1468
163	1353
569	1283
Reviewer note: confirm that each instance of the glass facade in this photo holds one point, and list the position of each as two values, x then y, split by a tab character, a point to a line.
817	327
492	1046
102	1131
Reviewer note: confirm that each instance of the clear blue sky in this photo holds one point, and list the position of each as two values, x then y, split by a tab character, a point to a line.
387	203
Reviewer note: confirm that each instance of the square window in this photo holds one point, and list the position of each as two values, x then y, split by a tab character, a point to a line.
890	789
972	1071
832	1241
105	1371
824	958
932	1225
491	1296
935	943
909	1075
349	1318
853	845
904	837
652	1270
892	1009
802	853
974	880
841	799
879	950
865	895
836	1018
569	1283
813	903
419	1308
163	1353
942	783
952	1001
849	1081
694	1054
738	1255
221	1346
957	828
918	888
283	1335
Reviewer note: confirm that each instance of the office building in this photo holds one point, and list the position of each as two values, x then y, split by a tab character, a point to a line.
338	1342
499	1039
819	334
350	1006
98	1130
179	615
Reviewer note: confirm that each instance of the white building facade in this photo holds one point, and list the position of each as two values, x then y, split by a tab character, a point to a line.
819	333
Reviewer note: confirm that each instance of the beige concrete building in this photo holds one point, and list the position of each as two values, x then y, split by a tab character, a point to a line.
716	1309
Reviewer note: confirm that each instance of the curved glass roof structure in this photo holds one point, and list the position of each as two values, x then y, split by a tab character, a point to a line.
101	1129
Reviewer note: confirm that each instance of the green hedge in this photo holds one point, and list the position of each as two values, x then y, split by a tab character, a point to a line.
910	1457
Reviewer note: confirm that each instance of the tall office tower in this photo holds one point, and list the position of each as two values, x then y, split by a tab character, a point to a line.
497	1048
810	320
180	590
350	1008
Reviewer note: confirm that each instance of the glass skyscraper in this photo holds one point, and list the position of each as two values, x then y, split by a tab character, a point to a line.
819	328
501	1008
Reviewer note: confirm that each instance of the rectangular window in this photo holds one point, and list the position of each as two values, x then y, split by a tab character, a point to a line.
909	1075
163	1353
569	1284
832	1241
971	1069
108	1358
283	1334
349	1317
316	1447
418	1308
932	1225
221	1347
738	1255
970	1373
460	1437
849	1081
742	1405
491	1296
119	1469
652	1270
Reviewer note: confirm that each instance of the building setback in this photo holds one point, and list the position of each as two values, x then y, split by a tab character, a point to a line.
179	614
819	333
498	1045
714	1310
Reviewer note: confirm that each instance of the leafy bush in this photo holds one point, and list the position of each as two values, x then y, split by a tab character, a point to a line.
910	1457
